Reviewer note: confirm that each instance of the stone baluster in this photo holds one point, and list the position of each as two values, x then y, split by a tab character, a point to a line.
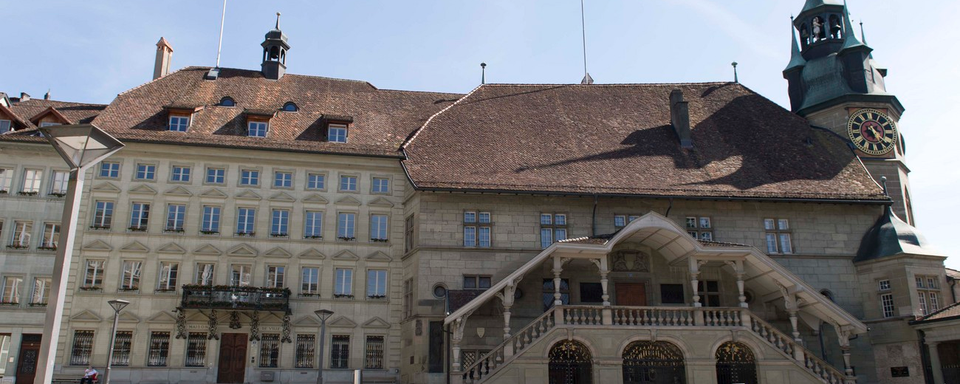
843	334
695	279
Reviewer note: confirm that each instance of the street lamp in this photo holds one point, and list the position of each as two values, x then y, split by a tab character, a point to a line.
118	306
81	146
323	314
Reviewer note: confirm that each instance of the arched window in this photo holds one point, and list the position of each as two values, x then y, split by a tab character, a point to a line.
290	107
819	30
570	363
274	54
804	35
826	293
835	27
736	364
653	362
227	101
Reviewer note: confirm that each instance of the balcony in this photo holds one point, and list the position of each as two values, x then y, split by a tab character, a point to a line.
226	297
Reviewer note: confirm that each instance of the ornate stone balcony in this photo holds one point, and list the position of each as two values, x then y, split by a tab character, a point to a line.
226	297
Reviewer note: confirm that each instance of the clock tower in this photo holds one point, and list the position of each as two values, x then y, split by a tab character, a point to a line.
835	83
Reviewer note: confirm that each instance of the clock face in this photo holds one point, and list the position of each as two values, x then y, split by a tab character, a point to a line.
872	132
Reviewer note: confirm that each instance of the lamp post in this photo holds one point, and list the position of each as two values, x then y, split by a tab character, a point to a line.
81	146
323	314
118	306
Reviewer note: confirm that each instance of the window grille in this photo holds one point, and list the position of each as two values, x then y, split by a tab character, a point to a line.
306	347
82	347
121	348
196	349
374	353
340	351
159	349
270	350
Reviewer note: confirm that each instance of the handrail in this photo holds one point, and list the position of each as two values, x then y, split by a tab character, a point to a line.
787	345
491	360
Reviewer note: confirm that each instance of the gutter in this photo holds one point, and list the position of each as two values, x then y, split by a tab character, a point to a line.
164	142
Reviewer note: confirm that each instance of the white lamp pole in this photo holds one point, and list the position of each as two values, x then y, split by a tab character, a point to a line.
117	306
81	146
323	314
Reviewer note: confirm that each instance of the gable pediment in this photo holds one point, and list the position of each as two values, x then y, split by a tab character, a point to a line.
243	250
282	197
213	193
348	200
208	250
313	253
342	322
105	187
97	245
248	195
162	317
379	256
315	199
381	202
278	252
171	248
376	323
127	317
135	246
198	317
346	255
142	189
307	321
86	315
178	191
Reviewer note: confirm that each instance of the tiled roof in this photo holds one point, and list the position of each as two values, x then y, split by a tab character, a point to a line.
950	312
77	113
382	119
618	139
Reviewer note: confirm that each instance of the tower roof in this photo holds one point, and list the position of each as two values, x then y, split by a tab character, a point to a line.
849	36
813	4
276	35
796	59
891	236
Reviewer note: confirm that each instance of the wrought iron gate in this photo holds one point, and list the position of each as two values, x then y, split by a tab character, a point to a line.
653	362
736	364
570	363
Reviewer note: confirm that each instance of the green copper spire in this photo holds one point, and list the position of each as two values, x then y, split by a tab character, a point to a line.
796	59
812	4
849	36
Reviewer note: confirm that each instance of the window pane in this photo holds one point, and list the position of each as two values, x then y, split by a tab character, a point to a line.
771	243
346	223
374	353
344	283
306	346
315	181
484	217
560	219
376	284
546	237
270	350
159	349
546	219
484	237
783	224
785	243
196	349
340	351
619	221
309	281
121	349
313	225
469	217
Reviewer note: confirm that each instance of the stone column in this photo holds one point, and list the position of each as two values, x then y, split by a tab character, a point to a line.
507	298
935	362
458	326
695	279
557	268
738	271
606	313
843	334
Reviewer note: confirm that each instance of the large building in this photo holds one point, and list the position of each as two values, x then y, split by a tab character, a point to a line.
623	233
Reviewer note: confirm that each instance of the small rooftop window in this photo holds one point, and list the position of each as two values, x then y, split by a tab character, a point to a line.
290	107
227	101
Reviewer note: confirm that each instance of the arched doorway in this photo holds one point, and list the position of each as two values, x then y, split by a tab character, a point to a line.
653	362
736	364
570	363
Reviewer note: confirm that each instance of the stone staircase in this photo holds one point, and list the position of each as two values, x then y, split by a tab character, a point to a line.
648	317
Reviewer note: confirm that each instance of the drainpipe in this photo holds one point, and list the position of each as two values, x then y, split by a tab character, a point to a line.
669	207
594	225
953	292
823	349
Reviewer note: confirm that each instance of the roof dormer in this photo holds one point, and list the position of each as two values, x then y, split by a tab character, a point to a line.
49	117
9	121
179	117
336	128
227	101
258	121
290	107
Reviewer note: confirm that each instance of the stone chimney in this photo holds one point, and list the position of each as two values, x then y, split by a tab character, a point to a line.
161	66
680	118
24	96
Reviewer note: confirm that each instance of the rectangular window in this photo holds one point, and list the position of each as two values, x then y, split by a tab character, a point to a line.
180	174
553	227
306	345
886	304
103	215
175	216
709	292
549	297
121	348
31	181
310	281
158	349
204	275
344	283
216	175
282	179
93	274
381	185
377	284
407	298
146	172
275	275
4	126
378	228
269	350
249	177
928	293
139	217
340	352
337	133
196	349
591	293
61	180
884	285
51	236
11	290
348	183
374	353
476	282
110	169
346	226
699	227
41	290
82	347
240	275
619	221
279	223
408	234
168	276
210	224
316	181
131	275
671	294
22	233
778	236
179	123
6	179
313	225
436	348
257	129
477	229
246	218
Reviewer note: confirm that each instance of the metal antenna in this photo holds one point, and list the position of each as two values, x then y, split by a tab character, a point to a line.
583	27
483	73
736	78
223	14
862	35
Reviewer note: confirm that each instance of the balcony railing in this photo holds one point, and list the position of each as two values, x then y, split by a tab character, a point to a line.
235	298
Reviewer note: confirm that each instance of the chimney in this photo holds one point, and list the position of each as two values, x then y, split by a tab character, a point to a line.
46	96
161	66
24	97
680	118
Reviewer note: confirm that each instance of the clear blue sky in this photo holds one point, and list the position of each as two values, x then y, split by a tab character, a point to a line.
92	50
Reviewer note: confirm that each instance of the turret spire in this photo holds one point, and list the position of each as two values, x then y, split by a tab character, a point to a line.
278	22
863	36
796	59
849	37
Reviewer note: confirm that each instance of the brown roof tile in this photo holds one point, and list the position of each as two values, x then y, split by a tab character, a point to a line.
617	139
76	113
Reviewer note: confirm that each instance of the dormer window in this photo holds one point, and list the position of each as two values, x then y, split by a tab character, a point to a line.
257	129
290	107
179	116
49	124
337	133
179	123
227	101
4	126
258	121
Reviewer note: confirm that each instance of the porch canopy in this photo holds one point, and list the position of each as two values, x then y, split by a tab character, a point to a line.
764	276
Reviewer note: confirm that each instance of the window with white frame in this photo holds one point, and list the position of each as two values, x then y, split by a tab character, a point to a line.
477	228
928	294
41	291
700	227
257	129
377	284
280	223
282	179
246	219
6	180
93	275
340	352
480	282
886	298
275	274
31	181
180	174
49	124
59	183
82	347
130	279
22	233
381	185
313	225
346	226
306	347
249	177
204	274
310	281
407	298
51	236
4	126
210	222
409	238
373	354
139	216
348	183
343	287
240	275
378	228
110	169
316	181
620	221
778	236
169	271
158	349
11	290
216	175
102	215
146	171
175	215
337	133
179	123
553	227
196	349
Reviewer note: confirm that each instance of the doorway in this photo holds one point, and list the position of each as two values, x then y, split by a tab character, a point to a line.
631	294
27	359
233	356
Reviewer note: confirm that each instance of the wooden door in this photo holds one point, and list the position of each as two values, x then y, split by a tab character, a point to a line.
27	359
631	294
233	356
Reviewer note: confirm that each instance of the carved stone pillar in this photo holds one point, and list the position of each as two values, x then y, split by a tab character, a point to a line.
695	279
738	271
557	268
843	335
792	304
507	297
457	336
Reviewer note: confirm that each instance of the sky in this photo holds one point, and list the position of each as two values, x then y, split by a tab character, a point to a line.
92	50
